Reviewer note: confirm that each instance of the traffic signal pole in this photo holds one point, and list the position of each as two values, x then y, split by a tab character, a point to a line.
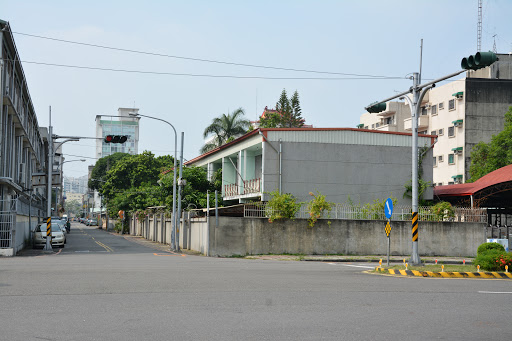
418	93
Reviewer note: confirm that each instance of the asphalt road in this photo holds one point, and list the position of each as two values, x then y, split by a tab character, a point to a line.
105	287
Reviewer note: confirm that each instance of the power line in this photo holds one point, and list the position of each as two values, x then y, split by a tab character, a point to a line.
196	59
196	75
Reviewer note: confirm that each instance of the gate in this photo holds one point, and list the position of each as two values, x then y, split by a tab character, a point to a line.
7	222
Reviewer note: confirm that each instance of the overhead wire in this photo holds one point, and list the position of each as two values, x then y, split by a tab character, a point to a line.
198	59
197	75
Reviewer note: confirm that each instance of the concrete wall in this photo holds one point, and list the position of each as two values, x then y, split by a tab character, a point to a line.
362	172
245	236
487	101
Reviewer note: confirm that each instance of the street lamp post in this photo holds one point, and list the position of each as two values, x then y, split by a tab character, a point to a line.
174	242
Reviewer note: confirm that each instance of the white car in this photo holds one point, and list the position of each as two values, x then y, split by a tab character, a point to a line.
39	238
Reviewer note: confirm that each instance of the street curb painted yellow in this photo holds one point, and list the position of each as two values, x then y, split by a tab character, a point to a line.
493	275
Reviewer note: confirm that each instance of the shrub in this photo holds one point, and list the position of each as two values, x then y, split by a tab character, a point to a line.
316	208
493	260
282	206
485	247
443	210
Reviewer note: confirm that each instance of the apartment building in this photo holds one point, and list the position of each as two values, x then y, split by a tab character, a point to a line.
461	113
23	151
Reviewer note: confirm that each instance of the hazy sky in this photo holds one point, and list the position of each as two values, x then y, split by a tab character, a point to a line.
377	38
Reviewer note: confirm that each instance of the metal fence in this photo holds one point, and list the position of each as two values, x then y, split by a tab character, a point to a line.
403	213
7	221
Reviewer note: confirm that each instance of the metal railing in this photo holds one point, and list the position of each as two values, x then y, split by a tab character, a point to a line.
400	213
249	186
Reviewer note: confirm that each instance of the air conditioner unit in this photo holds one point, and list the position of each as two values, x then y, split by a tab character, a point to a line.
22	173
458	152
427	106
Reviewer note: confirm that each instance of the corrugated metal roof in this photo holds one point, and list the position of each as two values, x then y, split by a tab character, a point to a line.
359	137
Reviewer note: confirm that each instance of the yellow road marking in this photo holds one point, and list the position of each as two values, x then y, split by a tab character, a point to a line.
104	246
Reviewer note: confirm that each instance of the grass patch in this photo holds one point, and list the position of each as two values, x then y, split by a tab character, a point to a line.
437	268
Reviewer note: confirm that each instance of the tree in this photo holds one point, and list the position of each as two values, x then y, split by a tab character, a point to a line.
225	128
488	157
74	207
99	172
288	113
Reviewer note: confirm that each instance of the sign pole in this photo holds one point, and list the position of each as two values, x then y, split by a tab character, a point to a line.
389	242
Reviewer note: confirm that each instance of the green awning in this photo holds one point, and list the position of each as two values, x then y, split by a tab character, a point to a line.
457	149
360	125
457	122
458	94
457	176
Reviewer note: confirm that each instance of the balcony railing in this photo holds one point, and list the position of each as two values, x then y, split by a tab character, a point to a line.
249	186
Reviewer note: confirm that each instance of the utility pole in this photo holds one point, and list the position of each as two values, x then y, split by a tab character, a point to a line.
48	245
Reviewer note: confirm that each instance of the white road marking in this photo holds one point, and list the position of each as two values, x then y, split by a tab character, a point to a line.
354	266
495	292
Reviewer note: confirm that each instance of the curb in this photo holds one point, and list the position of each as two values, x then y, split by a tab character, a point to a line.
493	275
376	260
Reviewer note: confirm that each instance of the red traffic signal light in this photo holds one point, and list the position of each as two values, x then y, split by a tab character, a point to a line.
116	138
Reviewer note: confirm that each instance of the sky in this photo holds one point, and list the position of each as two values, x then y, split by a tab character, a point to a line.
339	38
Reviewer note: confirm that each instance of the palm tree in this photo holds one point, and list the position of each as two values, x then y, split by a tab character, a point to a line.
225	129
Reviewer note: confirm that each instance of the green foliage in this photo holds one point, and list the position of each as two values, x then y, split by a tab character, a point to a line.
486	247
493	260
316	208
443	210
488	157
194	192
289	113
99	172
282	206
121	225
225	129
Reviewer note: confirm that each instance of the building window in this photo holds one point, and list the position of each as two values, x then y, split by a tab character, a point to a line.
440	184
373	126
433	132
434	109
377	125
389	120
451	159
423	111
365	127
451	183
424	132
451	104
435	161
451	131
441	105
440	132
440	158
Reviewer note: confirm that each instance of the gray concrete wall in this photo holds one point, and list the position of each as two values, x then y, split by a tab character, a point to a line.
487	101
362	172
245	236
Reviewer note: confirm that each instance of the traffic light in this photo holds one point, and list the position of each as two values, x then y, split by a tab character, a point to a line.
376	108
116	138
478	61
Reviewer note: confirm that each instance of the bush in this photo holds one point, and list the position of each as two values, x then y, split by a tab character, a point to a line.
316	208
493	260
443	211
282	206
485	247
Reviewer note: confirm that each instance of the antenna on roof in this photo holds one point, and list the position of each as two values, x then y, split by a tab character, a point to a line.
494	45
479	28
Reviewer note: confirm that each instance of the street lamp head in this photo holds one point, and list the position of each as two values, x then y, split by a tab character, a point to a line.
133	114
